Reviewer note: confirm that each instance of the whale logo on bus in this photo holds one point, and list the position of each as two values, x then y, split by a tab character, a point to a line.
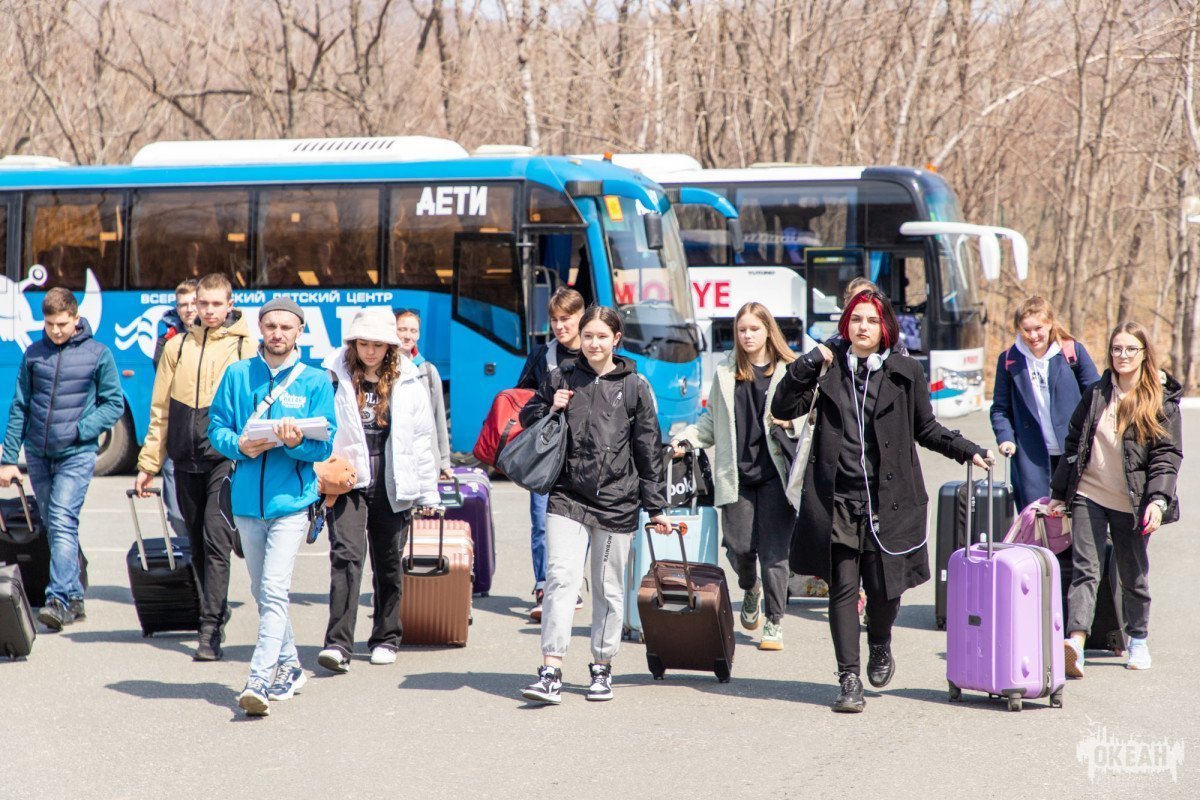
18	321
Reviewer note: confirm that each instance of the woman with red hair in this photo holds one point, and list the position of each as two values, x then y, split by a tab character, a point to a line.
863	513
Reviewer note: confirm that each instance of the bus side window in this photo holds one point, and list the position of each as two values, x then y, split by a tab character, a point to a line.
489	297
179	234
70	233
322	236
705	235
565	255
915	301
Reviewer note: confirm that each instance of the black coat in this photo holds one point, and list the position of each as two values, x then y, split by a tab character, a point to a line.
614	460
902	418
1151	469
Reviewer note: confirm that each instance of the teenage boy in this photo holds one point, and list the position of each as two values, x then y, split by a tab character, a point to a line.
274	485
176	322
68	393
187	378
566	309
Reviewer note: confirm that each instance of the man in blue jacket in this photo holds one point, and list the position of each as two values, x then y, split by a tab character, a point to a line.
68	393
274	485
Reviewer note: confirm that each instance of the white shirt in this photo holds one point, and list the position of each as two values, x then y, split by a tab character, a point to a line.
1039	376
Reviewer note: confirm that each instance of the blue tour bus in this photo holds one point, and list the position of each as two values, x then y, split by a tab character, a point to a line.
474	244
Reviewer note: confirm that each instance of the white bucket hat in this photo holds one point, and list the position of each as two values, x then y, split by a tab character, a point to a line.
374	324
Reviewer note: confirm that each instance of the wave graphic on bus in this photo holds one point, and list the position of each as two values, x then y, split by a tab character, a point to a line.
16	326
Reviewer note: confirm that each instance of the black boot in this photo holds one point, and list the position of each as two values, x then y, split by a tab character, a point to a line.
850	701
209	646
880	665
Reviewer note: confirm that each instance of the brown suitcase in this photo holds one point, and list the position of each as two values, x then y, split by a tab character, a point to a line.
687	620
435	606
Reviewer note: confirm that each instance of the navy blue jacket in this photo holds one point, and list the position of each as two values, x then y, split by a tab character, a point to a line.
66	397
1015	416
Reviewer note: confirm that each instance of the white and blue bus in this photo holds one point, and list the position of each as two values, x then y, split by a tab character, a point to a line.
473	244
807	231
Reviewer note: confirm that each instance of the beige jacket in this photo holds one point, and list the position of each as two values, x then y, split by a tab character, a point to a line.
717	428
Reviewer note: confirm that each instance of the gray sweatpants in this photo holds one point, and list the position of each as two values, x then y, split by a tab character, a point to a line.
566	548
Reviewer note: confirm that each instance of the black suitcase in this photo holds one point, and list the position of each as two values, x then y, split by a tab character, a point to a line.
17	630
166	593
1108	623
952	524
23	541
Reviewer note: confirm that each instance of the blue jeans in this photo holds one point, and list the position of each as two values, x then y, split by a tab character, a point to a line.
271	546
537	536
60	484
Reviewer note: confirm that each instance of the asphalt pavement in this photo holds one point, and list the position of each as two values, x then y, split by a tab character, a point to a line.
98	711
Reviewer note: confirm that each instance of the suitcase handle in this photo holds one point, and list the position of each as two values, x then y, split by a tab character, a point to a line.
681	530
28	517
453	498
434	566
989	532
137	527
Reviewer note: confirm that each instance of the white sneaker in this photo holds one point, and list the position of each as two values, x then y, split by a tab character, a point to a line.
383	655
1074	654
1139	654
333	660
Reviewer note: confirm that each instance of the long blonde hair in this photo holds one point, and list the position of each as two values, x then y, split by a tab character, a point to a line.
389	373
777	347
1143	407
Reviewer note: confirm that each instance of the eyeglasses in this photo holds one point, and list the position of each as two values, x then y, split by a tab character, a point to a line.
1126	351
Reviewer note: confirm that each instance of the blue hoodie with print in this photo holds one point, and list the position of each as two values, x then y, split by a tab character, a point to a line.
280	481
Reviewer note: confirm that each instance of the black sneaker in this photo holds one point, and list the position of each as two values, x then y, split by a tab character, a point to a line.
77	609
547	688
54	615
578	602
535	613
208	648
601	688
880	665
850	701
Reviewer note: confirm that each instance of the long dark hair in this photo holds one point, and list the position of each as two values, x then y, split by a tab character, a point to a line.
389	373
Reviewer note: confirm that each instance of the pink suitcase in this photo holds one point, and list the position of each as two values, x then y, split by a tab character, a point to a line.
1004	623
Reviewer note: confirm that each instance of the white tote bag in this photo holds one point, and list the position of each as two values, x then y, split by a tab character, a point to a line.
804	444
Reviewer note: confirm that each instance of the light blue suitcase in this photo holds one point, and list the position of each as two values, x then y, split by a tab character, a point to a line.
701	540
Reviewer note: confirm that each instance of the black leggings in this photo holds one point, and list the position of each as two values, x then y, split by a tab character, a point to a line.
849	568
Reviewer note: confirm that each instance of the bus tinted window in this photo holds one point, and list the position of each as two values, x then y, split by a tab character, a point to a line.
705	235
489	296
779	221
178	234
547	207
71	232
425	218
320	236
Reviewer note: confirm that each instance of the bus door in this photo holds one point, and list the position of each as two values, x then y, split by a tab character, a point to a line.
557	258
488	334
828	272
901	273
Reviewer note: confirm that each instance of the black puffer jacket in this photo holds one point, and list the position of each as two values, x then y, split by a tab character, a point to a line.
614	460
1151	469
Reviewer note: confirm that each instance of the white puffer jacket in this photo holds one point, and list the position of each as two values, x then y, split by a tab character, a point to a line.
411	458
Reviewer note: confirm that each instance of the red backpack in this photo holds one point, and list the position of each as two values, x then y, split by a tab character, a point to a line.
501	424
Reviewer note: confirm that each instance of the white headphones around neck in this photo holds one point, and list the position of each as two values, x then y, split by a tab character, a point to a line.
874	361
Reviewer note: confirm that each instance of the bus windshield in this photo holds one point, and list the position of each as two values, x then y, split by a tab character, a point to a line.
958	258
650	286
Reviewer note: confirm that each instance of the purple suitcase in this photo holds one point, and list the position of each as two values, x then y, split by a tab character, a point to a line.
1004	624
468	497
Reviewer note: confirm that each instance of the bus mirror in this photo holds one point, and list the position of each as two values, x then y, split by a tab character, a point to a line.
654	231
989	255
1020	250
736	240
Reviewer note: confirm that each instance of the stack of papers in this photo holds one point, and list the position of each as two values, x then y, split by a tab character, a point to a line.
312	428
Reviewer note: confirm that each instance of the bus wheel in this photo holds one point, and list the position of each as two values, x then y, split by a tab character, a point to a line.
118	446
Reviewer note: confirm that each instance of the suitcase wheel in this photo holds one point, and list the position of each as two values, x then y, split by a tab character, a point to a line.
722	670
1056	699
941	623
656	666
955	693
1014	704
